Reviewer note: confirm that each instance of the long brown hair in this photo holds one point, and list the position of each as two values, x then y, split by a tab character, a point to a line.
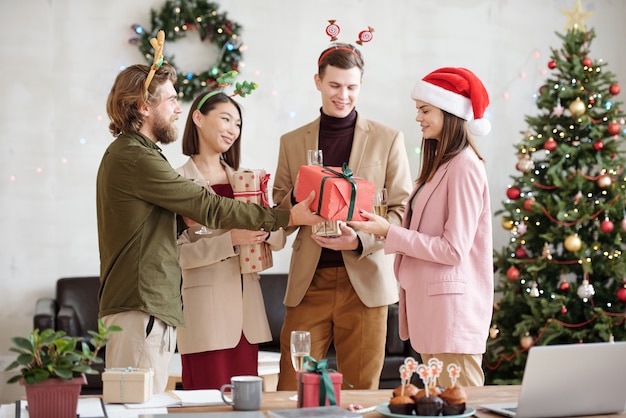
191	141
455	137
128	94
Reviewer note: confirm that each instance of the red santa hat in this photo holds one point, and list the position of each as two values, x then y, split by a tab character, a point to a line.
458	91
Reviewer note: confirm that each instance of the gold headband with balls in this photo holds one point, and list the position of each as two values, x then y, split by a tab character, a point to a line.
157	44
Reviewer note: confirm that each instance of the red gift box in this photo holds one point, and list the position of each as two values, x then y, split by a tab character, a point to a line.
338	194
309	389
250	186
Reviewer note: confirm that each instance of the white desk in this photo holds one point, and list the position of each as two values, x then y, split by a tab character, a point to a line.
268	370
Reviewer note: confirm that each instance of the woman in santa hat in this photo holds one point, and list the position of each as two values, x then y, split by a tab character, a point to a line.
443	248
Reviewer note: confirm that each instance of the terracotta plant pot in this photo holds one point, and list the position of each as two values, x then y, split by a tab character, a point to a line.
54	398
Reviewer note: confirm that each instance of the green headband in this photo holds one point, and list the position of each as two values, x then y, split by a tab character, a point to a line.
226	79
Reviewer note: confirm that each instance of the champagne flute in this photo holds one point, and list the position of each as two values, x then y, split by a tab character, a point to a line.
380	206
315	157
300	345
203	183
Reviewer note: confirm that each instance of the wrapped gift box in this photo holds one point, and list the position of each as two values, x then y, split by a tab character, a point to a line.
309	389
254	258
128	385
250	186
327	229
337	192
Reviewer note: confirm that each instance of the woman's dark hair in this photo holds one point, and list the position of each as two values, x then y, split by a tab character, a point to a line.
455	138
191	144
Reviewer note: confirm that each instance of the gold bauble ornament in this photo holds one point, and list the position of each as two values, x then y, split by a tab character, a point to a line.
573	243
604	181
494	331
507	223
577	107
526	341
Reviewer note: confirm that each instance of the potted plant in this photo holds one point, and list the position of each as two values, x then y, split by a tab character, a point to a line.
53	360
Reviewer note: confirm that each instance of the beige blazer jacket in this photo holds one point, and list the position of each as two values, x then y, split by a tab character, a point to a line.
378	155
219	303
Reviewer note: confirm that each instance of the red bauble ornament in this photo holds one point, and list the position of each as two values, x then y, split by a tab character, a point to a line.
552	65
606	226
528	204
587	62
563	310
564	285
613	128
621	294
520	252
513	193
512	273
550	145
598	145
614	89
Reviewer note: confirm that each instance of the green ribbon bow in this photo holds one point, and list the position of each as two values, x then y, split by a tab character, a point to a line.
346	173
327	390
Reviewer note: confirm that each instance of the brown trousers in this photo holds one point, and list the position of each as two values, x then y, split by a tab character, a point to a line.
333	313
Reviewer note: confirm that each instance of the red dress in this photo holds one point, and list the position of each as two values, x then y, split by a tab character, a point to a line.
212	369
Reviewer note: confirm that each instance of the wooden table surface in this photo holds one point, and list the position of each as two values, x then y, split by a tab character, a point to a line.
367	398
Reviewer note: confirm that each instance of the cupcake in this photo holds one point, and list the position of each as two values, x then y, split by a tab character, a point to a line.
410	390
430	406
454	399
403	405
432	390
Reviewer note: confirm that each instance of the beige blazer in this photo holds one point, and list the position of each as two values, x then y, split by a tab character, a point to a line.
219	303
378	155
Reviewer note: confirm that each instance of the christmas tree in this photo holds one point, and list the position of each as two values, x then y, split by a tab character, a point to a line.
562	275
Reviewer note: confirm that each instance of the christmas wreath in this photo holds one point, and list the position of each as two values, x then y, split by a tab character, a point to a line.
177	18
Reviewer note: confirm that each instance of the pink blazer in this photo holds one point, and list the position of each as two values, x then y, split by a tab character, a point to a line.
444	260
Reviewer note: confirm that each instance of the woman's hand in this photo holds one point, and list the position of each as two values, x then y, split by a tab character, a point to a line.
374	225
247	237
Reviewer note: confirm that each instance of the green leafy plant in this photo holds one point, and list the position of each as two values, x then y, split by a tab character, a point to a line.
54	354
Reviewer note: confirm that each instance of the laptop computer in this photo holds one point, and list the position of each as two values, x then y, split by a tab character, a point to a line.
570	380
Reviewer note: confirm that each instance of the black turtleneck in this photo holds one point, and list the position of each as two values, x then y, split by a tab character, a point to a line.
335	141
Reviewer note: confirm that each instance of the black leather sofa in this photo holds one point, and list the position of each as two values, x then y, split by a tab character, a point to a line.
273	288
74	309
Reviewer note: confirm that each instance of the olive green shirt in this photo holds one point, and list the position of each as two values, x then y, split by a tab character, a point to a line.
138	197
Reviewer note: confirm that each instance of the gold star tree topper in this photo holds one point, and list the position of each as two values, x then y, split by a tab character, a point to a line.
576	17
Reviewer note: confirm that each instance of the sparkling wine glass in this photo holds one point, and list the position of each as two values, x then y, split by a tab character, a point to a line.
300	345
203	183
380	205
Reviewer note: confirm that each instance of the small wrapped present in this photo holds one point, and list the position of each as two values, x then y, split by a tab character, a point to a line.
318	385
338	194
127	385
250	186
327	229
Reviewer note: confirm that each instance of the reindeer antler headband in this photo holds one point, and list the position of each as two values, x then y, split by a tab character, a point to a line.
157	44
333	30
225	80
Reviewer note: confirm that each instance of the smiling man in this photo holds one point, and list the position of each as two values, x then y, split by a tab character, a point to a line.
339	288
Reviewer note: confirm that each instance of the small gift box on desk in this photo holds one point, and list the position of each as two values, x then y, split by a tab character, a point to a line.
338	193
127	385
250	186
318	385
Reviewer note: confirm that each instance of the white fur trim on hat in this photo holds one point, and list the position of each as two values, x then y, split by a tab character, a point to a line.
458	91
443	99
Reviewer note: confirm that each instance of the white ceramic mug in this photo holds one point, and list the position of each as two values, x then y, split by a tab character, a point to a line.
245	392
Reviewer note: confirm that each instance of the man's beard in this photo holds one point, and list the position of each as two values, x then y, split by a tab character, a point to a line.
164	132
